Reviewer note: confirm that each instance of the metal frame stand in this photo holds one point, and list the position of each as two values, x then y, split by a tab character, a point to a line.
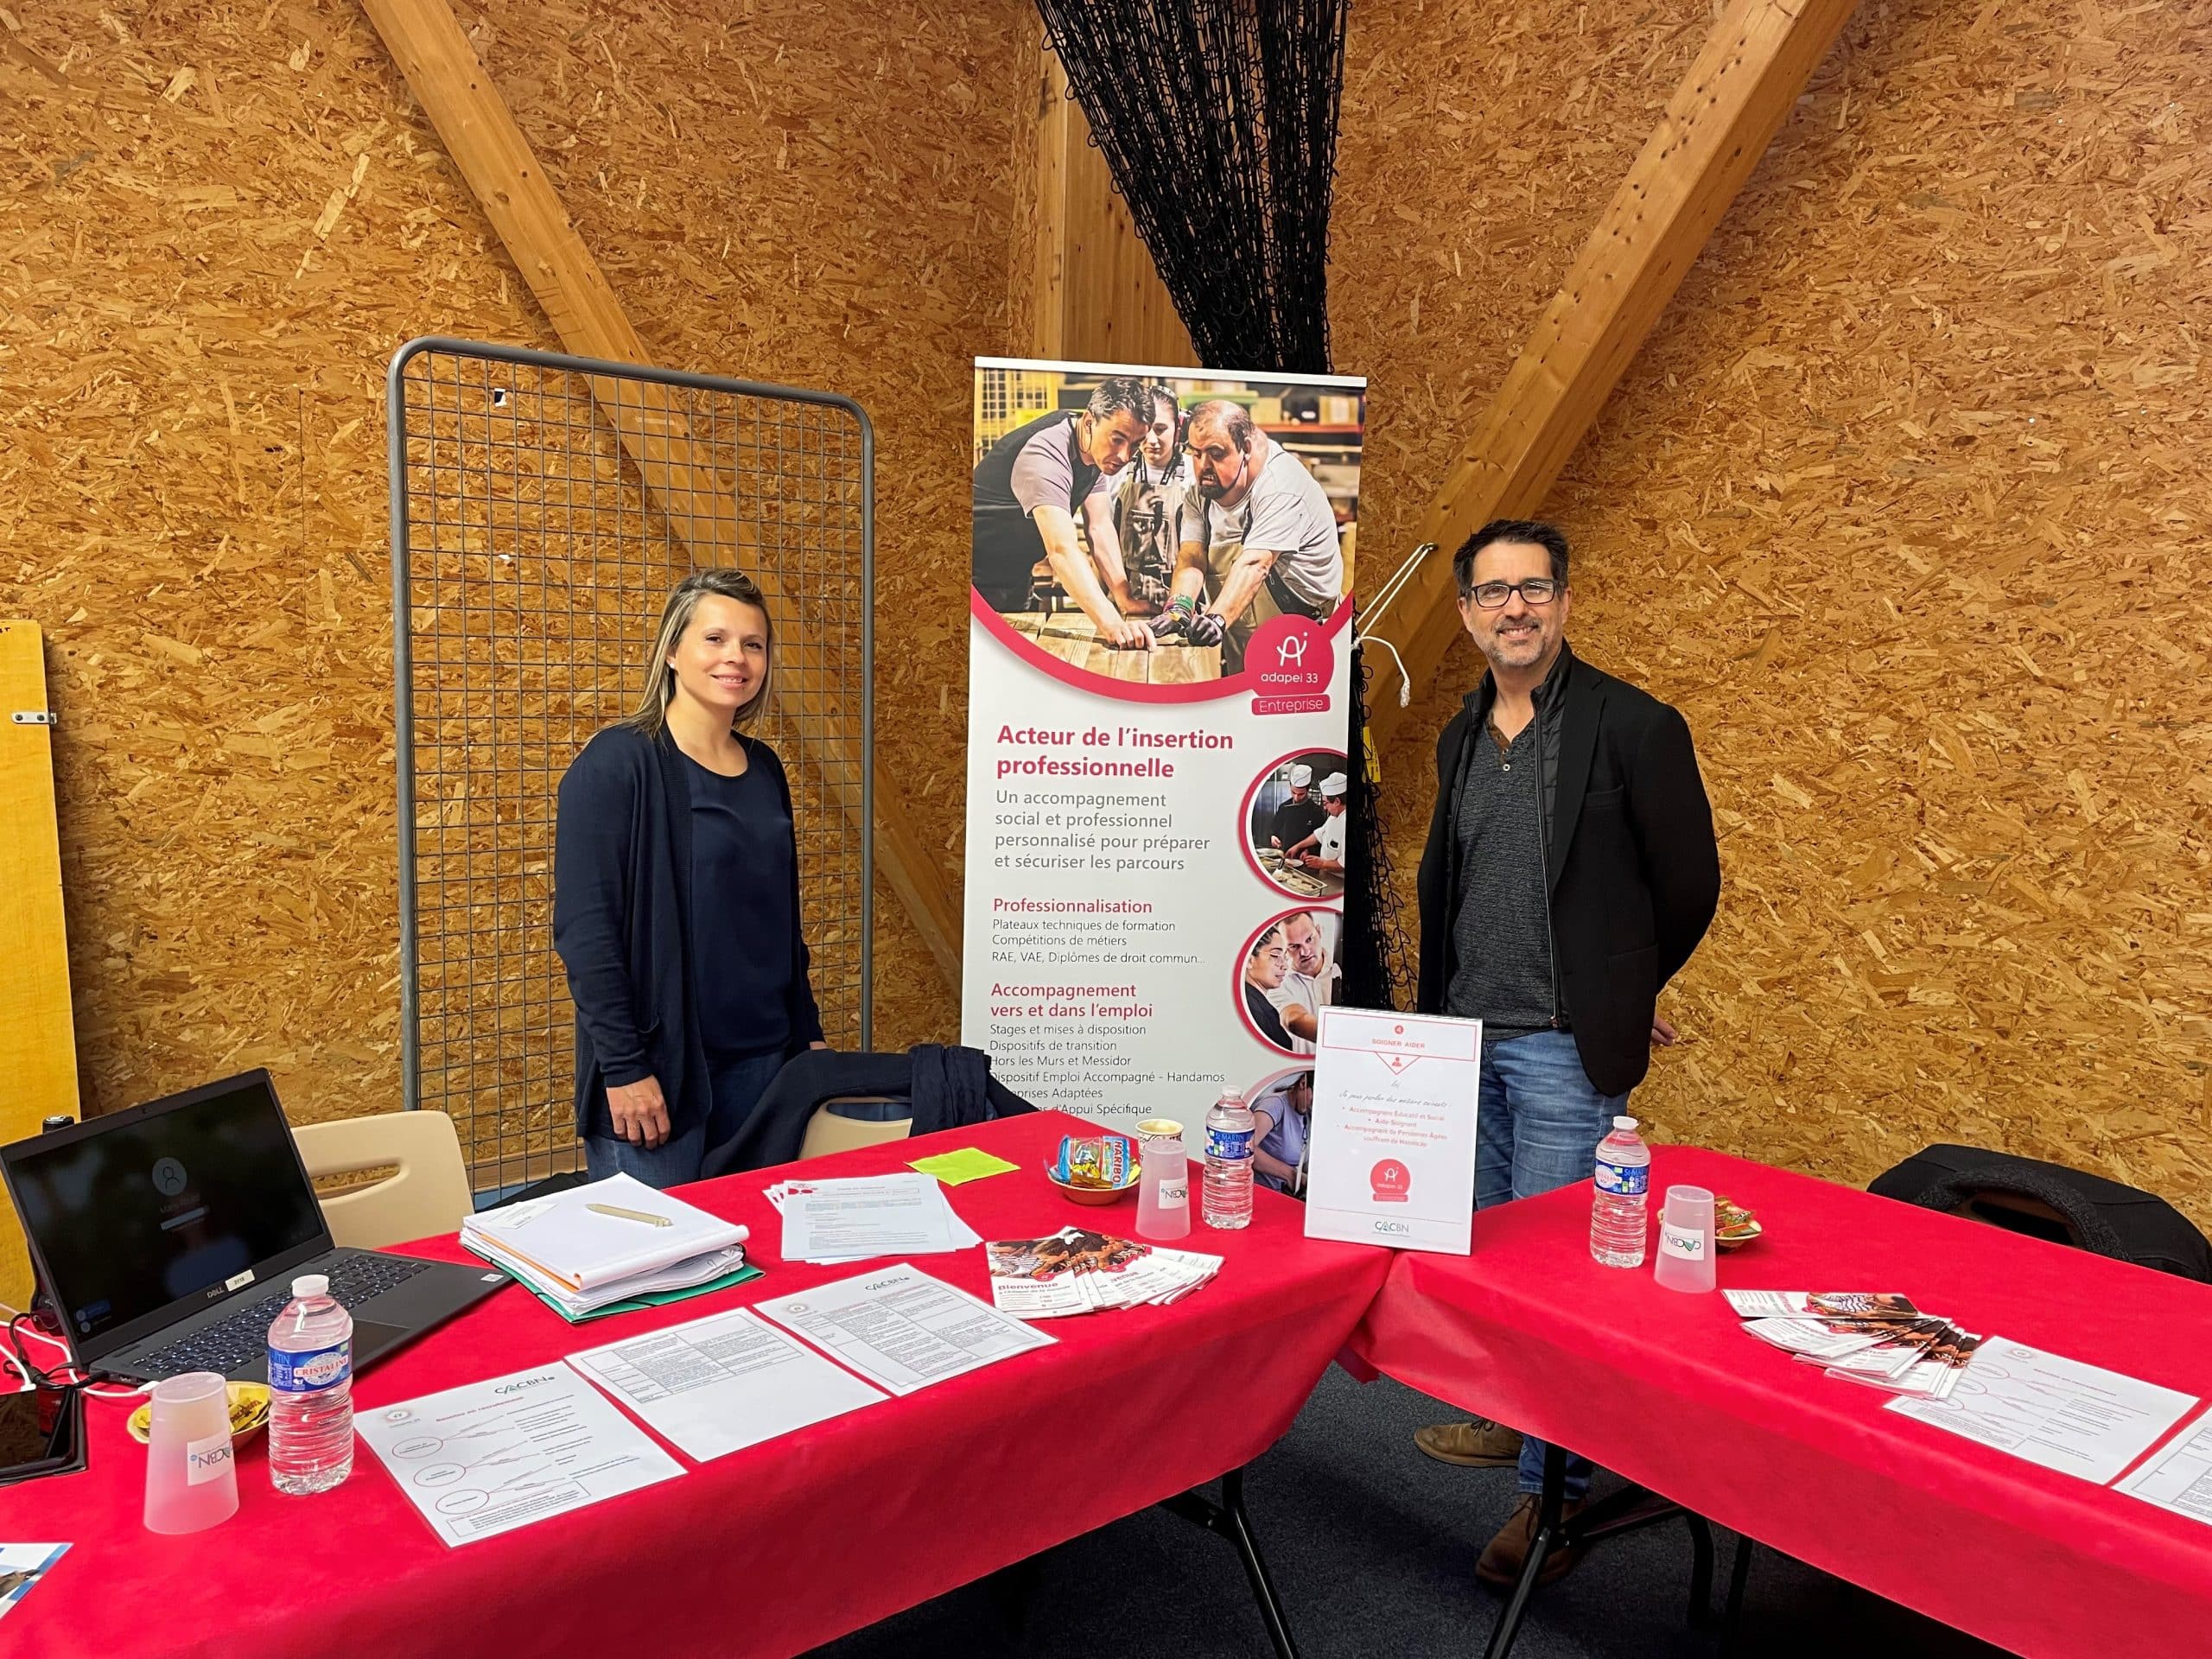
542	507
1627	1510
1230	1519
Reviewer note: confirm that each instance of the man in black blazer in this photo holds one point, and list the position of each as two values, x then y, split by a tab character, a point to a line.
1571	870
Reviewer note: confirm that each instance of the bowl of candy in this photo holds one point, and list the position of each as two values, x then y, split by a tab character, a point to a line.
249	1404
1094	1169
1733	1226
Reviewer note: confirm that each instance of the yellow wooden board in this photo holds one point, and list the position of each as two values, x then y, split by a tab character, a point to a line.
1073	638
38	1048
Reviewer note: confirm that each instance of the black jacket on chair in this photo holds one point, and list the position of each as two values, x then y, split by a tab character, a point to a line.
1629	856
937	1087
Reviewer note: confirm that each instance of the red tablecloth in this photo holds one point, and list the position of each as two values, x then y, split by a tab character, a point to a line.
1661	1387
769	1550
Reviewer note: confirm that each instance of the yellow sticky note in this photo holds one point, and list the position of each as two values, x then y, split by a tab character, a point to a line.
967	1164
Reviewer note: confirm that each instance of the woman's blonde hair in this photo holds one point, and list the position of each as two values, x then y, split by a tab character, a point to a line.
651	715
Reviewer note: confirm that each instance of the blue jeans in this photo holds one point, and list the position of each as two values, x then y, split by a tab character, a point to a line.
1538	1129
737	1083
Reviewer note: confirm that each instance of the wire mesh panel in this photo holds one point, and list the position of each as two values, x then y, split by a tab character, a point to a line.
542	507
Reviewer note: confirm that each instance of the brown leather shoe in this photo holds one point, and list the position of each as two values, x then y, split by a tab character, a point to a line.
1508	1552
1475	1444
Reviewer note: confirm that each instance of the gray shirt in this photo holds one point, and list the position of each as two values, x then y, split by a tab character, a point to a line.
1048	470
1286	514
1501	928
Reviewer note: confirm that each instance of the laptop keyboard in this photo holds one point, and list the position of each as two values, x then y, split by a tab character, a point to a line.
243	1335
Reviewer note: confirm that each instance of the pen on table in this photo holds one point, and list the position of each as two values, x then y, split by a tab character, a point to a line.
630	1215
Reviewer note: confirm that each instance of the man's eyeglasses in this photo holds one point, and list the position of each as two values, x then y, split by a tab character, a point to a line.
1537	590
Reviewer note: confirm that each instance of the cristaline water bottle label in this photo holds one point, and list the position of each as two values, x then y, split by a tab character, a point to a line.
1673	1241
1630	1180
1232	1144
1175	1194
205	1460
313	1371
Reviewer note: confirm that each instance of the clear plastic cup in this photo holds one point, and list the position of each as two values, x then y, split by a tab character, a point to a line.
1164	1185
192	1478
1684	1259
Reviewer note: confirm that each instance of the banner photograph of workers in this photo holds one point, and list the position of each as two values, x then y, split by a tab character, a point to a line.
1140	524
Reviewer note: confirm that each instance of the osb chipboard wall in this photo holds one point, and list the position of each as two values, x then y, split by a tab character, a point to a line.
821	199
1904	504
218	226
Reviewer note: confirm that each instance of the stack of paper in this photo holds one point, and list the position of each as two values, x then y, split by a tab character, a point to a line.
1876	1338
489	1456
857	1218
901	1329
2080	1419
608	1241
1076	1271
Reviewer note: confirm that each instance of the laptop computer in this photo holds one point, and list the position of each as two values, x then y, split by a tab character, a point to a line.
168	1237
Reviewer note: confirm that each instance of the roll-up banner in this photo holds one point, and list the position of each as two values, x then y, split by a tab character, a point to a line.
1158	699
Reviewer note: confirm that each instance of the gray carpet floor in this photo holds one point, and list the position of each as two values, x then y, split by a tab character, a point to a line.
1372	1548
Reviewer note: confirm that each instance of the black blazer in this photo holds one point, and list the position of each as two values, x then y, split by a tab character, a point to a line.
622	924
1629	854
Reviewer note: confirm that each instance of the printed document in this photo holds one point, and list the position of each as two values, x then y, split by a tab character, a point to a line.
1392	1153
489	1456
21	1567
2080	1419
857	1218
2179	1476
720	1384
901	1329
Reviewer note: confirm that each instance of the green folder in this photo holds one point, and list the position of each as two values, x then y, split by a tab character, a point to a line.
635	1304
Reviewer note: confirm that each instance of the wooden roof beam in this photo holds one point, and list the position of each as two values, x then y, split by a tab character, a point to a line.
1745	79
478	132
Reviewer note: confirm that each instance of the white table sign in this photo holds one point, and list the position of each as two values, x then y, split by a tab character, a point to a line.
1393	1153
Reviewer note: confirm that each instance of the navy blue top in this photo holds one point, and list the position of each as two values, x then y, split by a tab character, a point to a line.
743	923
628	927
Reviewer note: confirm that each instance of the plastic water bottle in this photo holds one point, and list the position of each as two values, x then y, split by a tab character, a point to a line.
310	1390
1230	1126
1617	1195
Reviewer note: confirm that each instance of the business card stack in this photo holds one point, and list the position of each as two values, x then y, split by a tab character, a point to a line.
1876	1338
1078	1271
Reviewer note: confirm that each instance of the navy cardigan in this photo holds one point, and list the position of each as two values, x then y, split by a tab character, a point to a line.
622	924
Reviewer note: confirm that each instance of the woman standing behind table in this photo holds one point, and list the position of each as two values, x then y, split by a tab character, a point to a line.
676	897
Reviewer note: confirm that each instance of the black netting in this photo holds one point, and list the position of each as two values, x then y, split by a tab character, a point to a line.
1218	119
1376	954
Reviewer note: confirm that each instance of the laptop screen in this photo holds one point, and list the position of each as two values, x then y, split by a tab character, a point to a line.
176	1199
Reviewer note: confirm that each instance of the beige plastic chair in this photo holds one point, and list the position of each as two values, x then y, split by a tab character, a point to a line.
428	1193
827	1131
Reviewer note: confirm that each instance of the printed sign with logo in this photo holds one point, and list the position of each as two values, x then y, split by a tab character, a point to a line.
1392	1155
312	1372
208	1458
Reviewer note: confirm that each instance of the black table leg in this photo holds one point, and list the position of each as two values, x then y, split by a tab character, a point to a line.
1548	1514
1230	1520
1700	1570
1739	1577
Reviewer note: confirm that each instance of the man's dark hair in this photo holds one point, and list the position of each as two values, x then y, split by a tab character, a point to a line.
1533	532
1235	420
1122	394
